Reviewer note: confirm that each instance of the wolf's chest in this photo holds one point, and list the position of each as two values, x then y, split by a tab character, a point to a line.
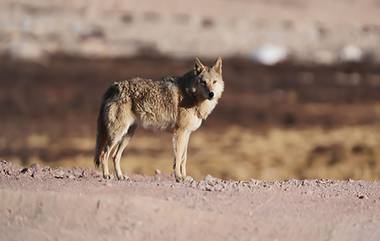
188	119
205	109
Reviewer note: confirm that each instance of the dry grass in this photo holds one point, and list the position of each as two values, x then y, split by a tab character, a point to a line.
234	152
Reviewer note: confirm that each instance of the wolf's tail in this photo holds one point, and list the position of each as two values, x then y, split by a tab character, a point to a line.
100	139
101	135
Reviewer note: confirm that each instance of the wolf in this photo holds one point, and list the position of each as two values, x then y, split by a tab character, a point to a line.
174	104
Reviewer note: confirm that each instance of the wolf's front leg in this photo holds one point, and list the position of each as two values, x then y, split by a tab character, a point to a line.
180	142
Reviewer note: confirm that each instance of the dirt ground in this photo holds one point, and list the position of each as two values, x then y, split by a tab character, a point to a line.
40	203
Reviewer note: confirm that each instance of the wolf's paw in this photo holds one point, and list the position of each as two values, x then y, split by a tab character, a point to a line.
188	179
122	178
184	179
179	178
107	176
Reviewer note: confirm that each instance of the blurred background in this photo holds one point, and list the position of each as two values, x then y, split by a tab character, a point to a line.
302	96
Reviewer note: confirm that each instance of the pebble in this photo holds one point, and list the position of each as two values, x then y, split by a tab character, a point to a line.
218	187
363	196
209	179
59	174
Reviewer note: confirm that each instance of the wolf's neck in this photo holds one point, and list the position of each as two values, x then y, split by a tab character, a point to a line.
187	100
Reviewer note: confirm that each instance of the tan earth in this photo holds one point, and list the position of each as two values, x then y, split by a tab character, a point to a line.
40	203
321	31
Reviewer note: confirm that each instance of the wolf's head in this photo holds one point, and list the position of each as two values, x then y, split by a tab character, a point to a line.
208	81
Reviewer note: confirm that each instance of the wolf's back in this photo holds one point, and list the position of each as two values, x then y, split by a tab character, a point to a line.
154	102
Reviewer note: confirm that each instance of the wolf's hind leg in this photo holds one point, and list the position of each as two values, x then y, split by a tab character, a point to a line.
119	151
104	160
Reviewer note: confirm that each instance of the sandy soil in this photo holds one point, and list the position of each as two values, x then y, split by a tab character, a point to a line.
40	203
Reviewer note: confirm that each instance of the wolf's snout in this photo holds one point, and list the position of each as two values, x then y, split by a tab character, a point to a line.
210	95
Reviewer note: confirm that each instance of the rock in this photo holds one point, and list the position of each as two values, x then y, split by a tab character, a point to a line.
351	53
208	188
46	169
218	187
78	173
210	183
26	50
269	54
59	174
363	196
210	179
157	172
34	168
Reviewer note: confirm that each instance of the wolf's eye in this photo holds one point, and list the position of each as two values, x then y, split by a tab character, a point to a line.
203	82
214	82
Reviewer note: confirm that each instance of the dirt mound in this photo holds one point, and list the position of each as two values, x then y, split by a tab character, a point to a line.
41	203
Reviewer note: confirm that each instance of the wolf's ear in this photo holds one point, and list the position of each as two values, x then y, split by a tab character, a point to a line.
198	66
218	66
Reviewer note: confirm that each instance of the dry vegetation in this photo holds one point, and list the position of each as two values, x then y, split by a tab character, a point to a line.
279	122
235	152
